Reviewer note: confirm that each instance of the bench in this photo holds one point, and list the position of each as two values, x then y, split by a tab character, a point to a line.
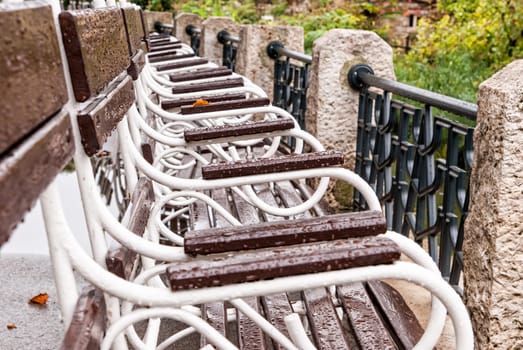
108	97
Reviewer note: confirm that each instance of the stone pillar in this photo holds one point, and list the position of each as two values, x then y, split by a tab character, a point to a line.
210	48
252	59
181	21
493	243
332	105
153	16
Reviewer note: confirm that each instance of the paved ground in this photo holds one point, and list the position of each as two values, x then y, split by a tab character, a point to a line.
40	328
37	327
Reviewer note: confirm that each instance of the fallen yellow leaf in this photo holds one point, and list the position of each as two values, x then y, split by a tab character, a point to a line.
40	299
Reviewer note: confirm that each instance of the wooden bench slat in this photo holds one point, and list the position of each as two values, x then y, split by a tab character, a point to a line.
250	336
226	105
289	232
133	29
275	308
282	261
32	80
98	120
88	323
96	47
137	64
121	260
272	165
30	167
364	319
398	314
204	73
167	104
215	314
325	324
168	46
210	85
182	64
235	130
168	55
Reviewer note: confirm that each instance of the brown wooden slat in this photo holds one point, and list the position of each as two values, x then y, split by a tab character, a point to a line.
96	48
283	261
204	73
133	29
169	46
249	128
137	64
32	82
88	324
98	120
226	105
121	260
182	64
272	165
160	39
169	57
397	313
289	232
275	308
325	324
209	85
215	315
30	167
250	336
167	104
365	321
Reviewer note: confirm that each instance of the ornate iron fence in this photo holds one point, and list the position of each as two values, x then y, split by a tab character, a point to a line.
194	33
291	80
418	162
230	49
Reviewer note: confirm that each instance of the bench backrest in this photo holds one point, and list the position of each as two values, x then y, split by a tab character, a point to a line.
36	139
97	50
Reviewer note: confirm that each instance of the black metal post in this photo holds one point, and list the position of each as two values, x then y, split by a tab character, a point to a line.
291	80
194	33
230	48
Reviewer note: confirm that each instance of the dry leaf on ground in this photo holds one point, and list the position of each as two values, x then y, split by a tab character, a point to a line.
40	299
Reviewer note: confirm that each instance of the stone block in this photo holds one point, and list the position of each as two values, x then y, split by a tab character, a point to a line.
181	21
332	105
492	248
252	59
210	47
156	16
32	81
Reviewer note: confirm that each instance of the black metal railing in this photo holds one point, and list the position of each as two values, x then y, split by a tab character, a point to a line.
163	27
230	49
291	80
418	163
194	33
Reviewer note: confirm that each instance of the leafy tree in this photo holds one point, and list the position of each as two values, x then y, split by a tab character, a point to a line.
464	45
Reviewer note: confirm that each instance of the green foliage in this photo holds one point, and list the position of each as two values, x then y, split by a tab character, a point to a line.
161	5
242	12
315	25
469	41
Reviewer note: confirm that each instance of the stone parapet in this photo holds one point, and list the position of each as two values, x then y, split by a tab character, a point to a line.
156	16
181	21
492	248
332	105
252	59
210	48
